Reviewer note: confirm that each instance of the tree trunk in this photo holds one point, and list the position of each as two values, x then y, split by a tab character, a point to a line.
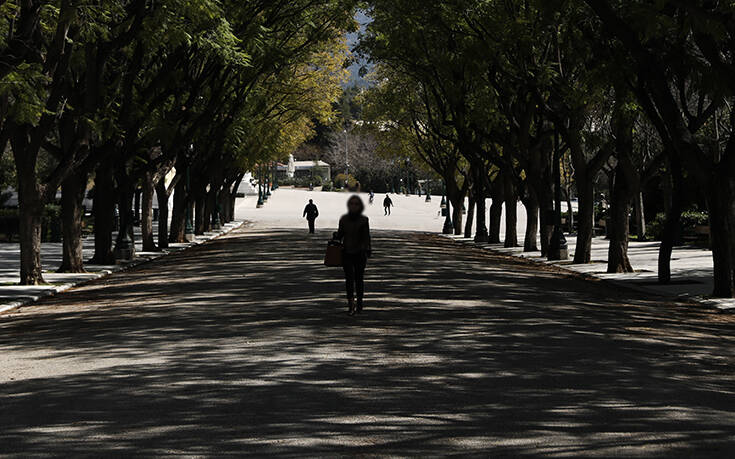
667	189
178	215
721	246
210	204
674	182
232	193
30	208
640	217
126	196
31	216
531	204
721	206
624	183
136	207
586	192
570	212
227	209
470	218
511	211
457	216
199	214
481	235
162	197
230	206
547	222
104	215
617	256
227	198
496	211
146	214
73	190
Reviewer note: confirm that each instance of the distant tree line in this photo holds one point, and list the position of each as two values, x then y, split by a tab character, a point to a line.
355	154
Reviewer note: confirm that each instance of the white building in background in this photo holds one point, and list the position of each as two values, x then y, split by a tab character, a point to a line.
300	169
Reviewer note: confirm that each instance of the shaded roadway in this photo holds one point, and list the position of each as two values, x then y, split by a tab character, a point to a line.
242	346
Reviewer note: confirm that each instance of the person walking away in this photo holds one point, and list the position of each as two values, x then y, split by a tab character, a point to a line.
387	204
372	197
311	213
354	232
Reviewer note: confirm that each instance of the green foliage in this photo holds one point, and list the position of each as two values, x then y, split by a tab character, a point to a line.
655	228
693	218
7	173
301	182
690	221
344	181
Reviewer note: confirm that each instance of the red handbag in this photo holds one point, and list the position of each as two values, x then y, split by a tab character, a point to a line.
333	258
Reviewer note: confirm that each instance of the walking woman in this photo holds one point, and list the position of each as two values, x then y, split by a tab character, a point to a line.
354	232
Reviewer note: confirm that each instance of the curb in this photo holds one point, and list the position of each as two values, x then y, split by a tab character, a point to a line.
208	237
709	303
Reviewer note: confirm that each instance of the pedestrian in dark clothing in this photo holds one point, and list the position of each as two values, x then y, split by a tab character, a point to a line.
354	232
311	213
387	204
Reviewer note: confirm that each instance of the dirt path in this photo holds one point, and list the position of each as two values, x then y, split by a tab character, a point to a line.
242	346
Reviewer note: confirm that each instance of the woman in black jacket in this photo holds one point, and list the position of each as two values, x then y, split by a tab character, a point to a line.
354	232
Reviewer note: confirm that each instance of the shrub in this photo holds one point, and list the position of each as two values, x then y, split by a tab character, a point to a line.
50	224
655	228
690	219
344	181
693	218
301	182
327	186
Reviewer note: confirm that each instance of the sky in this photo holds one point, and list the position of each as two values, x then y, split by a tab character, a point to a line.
352	39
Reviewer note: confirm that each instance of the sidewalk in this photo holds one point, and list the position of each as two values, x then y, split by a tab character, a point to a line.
691	268
13	295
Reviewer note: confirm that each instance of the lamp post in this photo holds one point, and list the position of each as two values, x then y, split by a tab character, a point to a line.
558	249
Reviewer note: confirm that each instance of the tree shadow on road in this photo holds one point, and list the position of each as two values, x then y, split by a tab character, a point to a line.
243	346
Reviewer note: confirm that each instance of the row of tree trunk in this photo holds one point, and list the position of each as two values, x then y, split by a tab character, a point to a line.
210	200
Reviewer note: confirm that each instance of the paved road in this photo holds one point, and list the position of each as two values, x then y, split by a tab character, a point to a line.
242	346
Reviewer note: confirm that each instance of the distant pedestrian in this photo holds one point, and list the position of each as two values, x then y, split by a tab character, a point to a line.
311	213
354	232
372	197
387	204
